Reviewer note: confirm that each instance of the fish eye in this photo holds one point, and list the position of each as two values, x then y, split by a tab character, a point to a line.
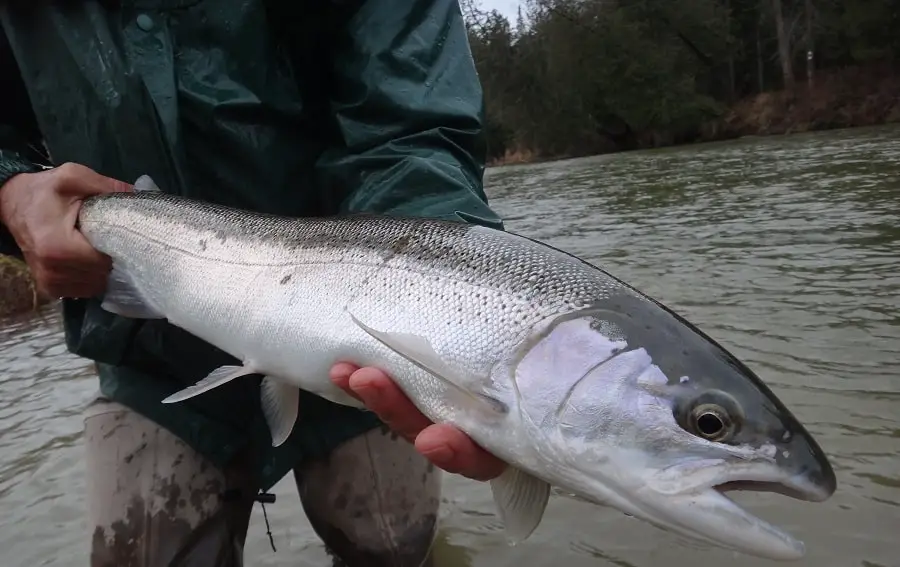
711	422
714	416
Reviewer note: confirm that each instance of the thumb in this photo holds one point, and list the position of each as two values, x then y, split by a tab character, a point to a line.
79	181
98	184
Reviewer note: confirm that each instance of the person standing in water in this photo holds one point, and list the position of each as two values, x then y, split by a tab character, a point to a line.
300	109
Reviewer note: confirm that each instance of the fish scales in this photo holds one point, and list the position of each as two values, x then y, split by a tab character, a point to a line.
455	282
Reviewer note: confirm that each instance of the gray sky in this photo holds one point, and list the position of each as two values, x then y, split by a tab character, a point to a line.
506	7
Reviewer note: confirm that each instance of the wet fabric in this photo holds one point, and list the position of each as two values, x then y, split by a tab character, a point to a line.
155	502
298	109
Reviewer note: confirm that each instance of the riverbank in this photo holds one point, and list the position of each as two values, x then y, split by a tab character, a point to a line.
845	98
17	290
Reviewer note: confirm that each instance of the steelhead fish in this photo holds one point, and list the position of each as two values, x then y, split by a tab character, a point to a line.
568	374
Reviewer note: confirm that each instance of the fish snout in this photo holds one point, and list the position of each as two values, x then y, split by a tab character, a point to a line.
811	477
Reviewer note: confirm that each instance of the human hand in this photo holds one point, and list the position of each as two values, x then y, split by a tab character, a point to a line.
445	446
40	210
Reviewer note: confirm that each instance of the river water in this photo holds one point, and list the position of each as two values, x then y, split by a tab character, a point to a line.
785	249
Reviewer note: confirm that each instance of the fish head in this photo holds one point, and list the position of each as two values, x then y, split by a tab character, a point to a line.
640	410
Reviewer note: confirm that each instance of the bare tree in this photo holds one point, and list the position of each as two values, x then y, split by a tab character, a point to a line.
810	42
784	46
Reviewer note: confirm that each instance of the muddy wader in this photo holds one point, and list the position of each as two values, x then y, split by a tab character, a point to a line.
373	500
294	108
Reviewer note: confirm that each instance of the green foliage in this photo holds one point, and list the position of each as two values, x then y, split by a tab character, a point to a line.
572	77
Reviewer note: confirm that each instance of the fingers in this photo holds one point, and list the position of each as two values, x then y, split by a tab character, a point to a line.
340	375
67	265
83	270
454	451
65	287
445	446
70	276
376	390
79	247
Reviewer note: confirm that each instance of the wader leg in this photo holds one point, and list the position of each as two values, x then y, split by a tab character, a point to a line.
154	502
374	501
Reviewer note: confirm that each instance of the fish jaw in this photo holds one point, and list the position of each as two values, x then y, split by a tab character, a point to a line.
626	480
709	515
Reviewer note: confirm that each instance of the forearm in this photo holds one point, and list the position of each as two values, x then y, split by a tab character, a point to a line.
409	107
19	134
418	177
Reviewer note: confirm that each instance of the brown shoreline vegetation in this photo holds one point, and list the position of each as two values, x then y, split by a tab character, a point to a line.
18	292
843	99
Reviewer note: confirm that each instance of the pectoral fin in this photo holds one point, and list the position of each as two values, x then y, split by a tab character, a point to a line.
418	350
280	403
123	298
216	378
521	500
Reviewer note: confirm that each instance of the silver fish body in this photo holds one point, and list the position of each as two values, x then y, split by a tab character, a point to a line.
566	373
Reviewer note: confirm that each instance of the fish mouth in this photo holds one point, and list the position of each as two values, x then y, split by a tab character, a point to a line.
797	487
708	513
728	524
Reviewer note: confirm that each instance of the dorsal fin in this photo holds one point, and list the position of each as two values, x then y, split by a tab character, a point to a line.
145	183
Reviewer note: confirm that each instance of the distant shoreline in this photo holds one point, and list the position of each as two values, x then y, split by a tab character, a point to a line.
848	98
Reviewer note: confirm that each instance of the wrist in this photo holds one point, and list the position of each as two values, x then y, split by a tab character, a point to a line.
7	191
12	166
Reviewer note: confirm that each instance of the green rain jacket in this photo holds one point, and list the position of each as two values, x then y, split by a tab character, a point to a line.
295	108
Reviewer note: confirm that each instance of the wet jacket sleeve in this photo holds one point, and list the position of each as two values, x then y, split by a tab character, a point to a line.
18	133
12	163
408	111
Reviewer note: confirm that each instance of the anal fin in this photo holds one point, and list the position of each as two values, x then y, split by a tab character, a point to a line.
521	500
214	379
280	405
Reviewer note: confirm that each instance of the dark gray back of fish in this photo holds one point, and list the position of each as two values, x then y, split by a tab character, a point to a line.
491	259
